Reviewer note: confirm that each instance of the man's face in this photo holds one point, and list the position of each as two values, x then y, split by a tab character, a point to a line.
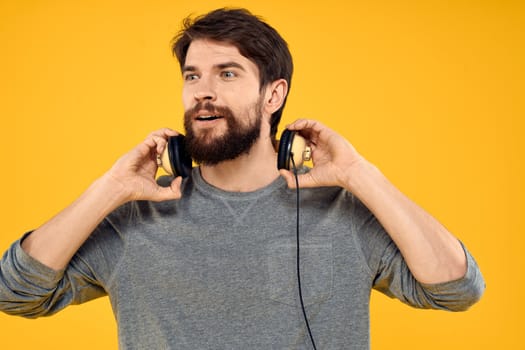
222	102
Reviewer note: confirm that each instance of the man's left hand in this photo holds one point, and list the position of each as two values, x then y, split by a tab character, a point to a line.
332	155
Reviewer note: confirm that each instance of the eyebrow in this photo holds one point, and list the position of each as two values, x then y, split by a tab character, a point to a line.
230	64
224	65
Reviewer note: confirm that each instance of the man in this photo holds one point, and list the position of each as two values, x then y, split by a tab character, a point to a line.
209	262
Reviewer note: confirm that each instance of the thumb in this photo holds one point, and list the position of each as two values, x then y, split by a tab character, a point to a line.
289	177
173	191
305	180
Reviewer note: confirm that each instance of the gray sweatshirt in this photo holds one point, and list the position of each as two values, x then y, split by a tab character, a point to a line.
217	270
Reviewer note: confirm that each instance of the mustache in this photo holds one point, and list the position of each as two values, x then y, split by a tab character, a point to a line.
209	107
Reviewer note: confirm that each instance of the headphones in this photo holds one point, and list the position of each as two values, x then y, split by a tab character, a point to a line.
176	161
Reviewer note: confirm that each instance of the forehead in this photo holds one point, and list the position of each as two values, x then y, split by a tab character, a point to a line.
203	54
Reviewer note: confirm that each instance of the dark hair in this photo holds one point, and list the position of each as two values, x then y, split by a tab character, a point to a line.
255	39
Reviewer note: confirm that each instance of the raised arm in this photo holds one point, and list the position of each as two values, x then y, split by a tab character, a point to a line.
131	178
431	252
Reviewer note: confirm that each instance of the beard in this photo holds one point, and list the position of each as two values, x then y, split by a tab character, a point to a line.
238	139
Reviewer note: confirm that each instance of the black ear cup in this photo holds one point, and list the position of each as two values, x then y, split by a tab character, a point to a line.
285	149
178	159
291	145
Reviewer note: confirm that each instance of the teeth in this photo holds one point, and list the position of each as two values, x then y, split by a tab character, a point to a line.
207	117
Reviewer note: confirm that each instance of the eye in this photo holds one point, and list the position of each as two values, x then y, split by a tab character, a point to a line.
228	74
190	77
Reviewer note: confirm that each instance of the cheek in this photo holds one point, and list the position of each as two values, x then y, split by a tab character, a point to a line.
186	99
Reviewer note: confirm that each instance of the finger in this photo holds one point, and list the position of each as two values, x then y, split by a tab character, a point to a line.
311	130
164	132
160	143
306	125
158	139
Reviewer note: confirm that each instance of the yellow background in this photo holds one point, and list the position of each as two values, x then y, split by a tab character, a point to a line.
430	91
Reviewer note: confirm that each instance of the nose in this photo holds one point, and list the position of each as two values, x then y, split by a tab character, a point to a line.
204	91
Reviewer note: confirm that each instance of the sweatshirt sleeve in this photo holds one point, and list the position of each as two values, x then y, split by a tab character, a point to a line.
30	289
395	280
391	275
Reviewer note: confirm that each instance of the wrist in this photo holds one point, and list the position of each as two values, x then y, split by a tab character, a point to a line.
360	176
111	190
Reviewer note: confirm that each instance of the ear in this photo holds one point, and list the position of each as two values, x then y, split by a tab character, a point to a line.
275	95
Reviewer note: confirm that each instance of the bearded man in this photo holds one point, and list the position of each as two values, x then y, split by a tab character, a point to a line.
211	261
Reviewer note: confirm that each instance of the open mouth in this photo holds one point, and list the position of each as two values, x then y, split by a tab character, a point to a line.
207	118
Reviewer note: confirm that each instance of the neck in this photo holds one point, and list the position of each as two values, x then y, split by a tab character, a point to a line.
246	173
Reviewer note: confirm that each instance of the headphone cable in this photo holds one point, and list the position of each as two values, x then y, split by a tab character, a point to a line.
298	256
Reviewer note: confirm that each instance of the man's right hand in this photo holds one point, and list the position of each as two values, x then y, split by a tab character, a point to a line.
135	172
132	177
